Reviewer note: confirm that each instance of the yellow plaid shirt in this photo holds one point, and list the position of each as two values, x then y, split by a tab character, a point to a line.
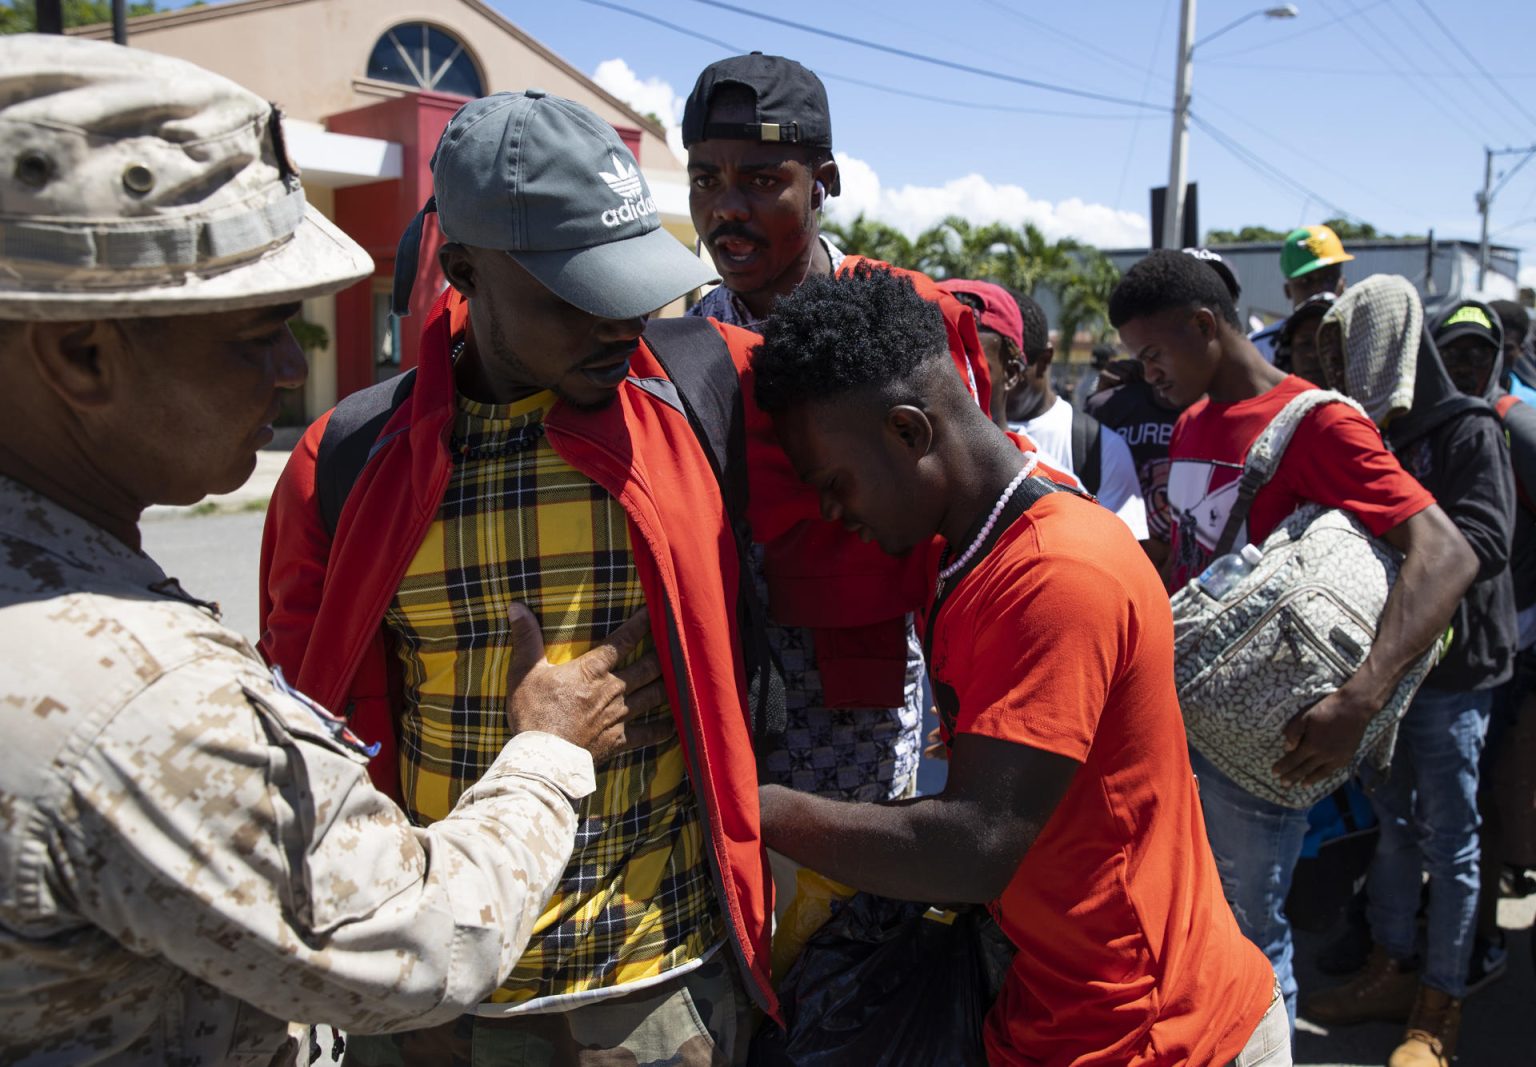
518	523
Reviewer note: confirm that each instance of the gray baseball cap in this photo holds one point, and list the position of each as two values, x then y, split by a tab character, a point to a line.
134	185
551	184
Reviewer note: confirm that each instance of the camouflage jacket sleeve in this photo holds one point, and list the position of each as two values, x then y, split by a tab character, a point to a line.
216	823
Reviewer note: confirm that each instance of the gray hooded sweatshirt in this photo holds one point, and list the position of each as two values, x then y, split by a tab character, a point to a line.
1454	445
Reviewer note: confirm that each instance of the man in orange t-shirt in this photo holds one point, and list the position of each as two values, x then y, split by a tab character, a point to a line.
1070	806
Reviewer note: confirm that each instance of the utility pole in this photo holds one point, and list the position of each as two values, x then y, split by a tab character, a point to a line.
1485	198
119	21
1178	153
1173	211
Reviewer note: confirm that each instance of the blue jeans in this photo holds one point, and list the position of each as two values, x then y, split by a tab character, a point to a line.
1429	822
1256	845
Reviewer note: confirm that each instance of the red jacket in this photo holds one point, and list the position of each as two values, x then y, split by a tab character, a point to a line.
323	600
849	599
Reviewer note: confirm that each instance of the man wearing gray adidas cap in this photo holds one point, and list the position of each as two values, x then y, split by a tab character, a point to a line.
191	853
542	451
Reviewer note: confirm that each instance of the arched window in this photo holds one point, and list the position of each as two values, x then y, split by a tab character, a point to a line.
425	57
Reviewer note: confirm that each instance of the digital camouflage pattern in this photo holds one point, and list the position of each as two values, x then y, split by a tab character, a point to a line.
189	858
703	1018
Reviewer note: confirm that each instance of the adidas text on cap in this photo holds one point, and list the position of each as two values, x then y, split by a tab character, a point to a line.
551	184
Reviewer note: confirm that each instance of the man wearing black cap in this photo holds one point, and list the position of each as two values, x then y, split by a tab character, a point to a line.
759	137
1471	338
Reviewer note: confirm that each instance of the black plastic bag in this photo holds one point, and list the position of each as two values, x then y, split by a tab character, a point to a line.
882	985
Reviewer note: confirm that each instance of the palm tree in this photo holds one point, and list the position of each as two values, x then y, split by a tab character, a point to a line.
1083	292
870	237
957	249
1031	260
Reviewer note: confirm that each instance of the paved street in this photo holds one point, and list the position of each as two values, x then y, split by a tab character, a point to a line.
215	556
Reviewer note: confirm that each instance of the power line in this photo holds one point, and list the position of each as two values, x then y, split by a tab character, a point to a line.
1089	47
1477	96
1297	155
919	57
1146	87
1356	72
1266	169
1274	42
977	105
1476	65
1404	64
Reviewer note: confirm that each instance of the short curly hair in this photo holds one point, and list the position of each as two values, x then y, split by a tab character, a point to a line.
1168	279
838	333
1037	332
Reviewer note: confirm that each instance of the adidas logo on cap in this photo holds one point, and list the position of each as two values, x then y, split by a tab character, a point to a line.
625	180
629	186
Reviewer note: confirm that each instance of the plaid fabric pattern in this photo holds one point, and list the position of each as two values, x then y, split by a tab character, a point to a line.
519	523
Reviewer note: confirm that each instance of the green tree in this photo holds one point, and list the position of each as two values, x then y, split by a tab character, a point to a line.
1021	258
1083	293
1244	236
1032	260
20	16
870	237
957	249
1347	229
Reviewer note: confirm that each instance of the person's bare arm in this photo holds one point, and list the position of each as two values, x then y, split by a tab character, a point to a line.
1438	566
962	846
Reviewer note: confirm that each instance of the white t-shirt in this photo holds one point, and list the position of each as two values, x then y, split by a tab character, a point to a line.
1119	489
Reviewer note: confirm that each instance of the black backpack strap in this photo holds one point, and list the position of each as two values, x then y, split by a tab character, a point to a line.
699	362
350	439
1024	497
1087	450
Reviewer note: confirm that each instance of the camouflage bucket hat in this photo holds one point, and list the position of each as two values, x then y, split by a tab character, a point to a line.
136	185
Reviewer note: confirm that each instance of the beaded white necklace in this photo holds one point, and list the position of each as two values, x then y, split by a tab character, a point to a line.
1031	461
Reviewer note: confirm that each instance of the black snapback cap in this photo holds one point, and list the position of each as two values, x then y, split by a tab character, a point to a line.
791	104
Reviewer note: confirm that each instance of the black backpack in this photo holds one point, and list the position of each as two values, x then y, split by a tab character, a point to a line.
1087	450
708	388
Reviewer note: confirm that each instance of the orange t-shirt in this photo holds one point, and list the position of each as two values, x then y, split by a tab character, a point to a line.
1061	639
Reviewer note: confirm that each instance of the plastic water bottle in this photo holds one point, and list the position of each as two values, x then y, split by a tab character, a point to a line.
1226	571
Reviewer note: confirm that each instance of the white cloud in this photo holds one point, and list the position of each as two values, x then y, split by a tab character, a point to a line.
910	208
649	96
913	208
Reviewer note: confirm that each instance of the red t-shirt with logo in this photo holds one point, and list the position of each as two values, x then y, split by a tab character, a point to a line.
1061	639
1336	458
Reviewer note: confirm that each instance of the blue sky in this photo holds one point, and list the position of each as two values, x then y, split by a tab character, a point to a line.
1360	106
1365	103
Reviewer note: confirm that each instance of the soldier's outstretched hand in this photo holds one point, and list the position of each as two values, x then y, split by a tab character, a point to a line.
591	701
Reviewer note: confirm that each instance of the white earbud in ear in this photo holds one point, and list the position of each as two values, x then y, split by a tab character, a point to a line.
820	195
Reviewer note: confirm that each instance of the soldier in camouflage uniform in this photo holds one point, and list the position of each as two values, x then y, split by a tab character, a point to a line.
191	854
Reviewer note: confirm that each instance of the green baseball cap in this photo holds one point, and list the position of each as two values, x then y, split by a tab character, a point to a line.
547	181
1310	248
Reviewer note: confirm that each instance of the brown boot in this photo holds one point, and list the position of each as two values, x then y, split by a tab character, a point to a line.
1382	992
1432	1030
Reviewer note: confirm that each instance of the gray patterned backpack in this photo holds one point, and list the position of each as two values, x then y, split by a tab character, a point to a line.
1288	633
